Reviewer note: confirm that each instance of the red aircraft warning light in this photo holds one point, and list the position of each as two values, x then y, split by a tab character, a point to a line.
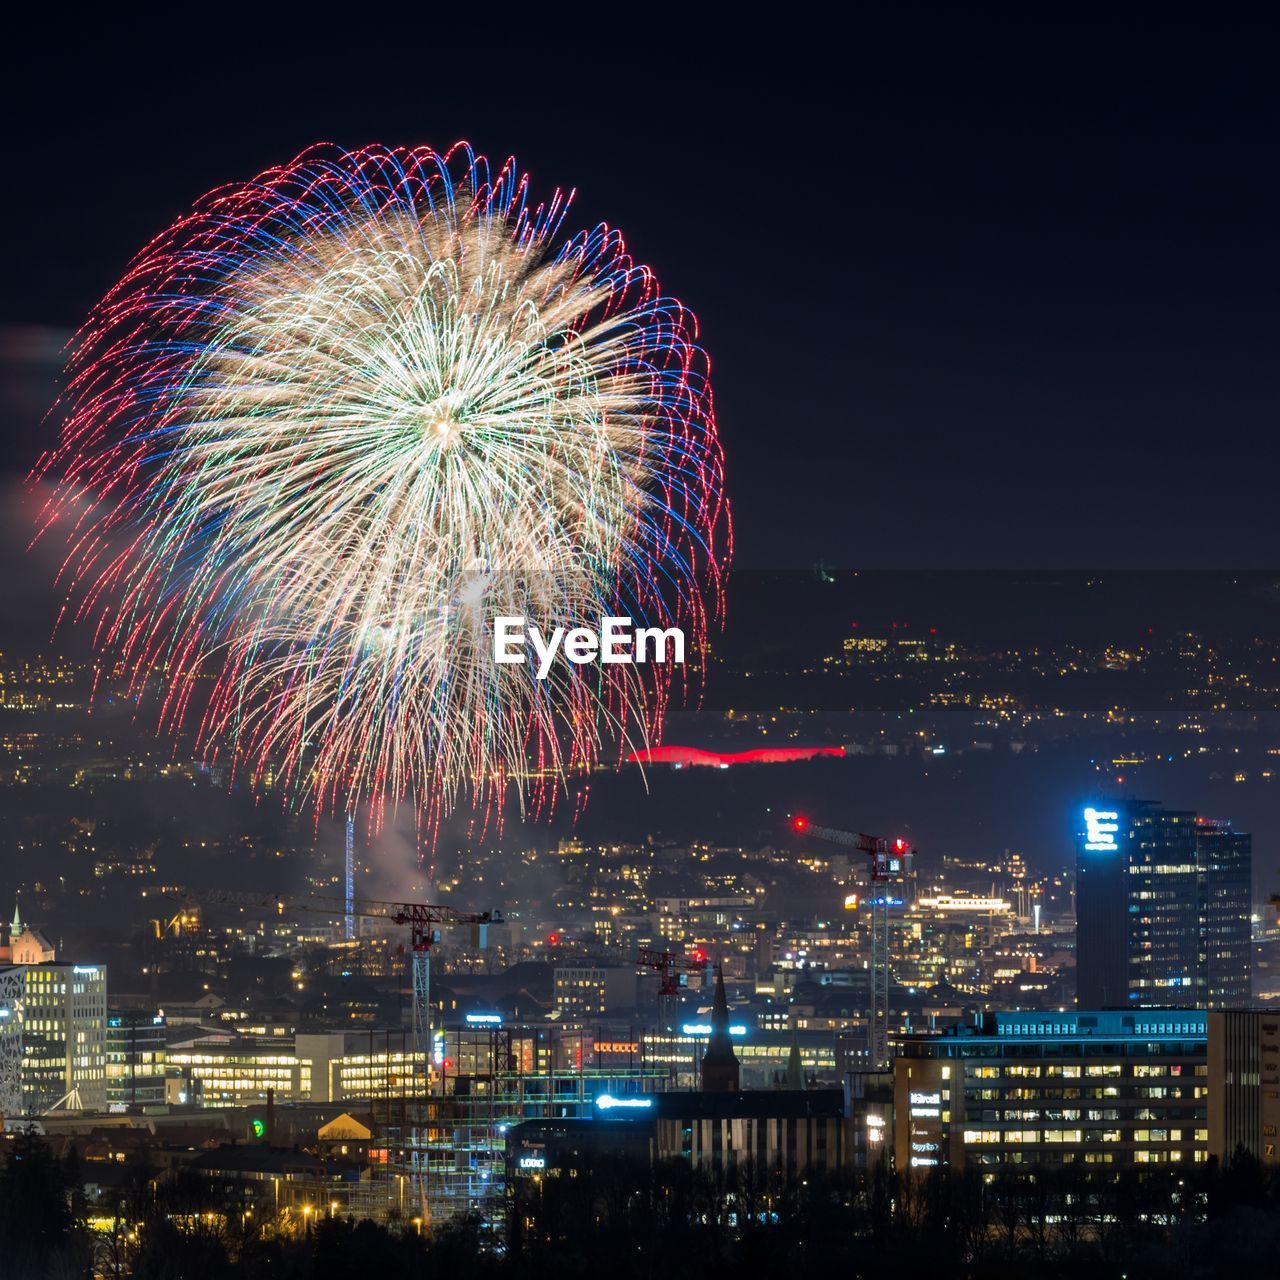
800	823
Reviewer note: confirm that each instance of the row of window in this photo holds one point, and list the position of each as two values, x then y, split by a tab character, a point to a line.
1090	1070
991	1137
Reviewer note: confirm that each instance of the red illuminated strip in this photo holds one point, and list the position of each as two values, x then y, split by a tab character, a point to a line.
756	755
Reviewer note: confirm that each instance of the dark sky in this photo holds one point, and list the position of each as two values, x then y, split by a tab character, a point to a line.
977	292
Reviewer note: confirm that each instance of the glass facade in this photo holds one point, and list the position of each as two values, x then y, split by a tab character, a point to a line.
135	1058
1163	903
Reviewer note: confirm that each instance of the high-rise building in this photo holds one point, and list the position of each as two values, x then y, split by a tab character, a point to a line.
53	1023
1227	859
1163	902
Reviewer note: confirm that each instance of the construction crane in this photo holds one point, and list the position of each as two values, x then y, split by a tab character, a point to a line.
670	966
349	881
890	864
424	920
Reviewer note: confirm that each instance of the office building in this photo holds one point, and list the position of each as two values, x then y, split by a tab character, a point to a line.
1227	859
348	1065
587	989
136	1046
53	1022
239	1071
1100	1089
1163	902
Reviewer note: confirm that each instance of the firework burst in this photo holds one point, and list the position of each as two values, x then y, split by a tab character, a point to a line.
335	421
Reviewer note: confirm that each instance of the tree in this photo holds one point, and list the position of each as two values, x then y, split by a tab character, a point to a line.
36	1219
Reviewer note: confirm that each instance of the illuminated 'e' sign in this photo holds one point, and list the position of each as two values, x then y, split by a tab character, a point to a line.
1100	829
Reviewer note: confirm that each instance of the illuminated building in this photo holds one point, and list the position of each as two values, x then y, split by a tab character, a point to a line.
492	1079
948	937
865	649
232	1071
348	1065
762	1055
1163	903
693	920
53	1018
1109	1088
859	650
135	1063
586	989
238	1071
1227	859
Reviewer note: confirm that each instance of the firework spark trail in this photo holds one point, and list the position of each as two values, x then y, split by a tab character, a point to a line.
338	418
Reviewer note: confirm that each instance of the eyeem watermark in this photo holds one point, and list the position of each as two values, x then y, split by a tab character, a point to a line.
616	642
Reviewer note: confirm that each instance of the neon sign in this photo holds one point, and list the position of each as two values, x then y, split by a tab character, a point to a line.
1101	827
606	1102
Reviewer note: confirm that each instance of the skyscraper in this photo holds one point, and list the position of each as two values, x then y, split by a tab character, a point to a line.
1163	900
1227	858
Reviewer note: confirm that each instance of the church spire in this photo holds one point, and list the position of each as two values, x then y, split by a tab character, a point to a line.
795	1067
720	1063
15	929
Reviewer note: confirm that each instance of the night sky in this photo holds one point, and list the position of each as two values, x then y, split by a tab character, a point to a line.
975	293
